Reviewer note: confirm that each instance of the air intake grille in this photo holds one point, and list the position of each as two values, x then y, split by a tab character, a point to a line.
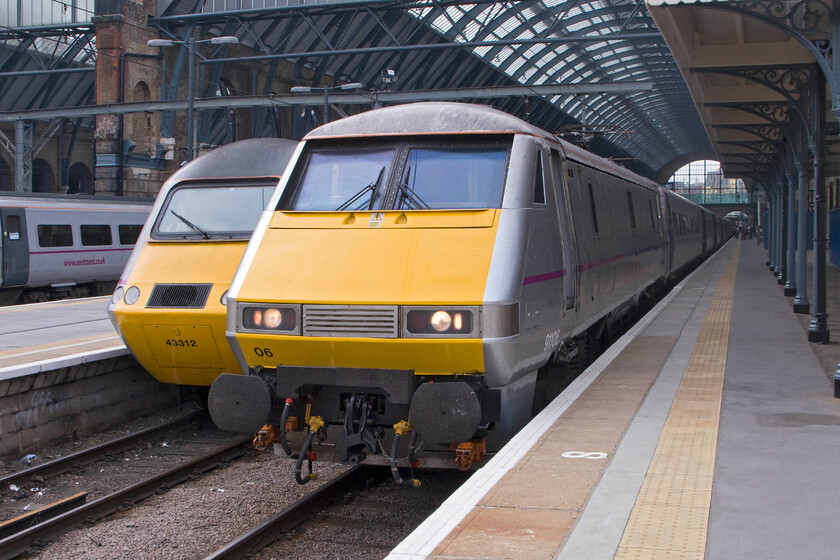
377	321
183	296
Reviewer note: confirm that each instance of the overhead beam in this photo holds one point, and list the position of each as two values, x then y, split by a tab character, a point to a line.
338	98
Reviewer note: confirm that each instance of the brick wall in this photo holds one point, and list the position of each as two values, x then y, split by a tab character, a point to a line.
42	409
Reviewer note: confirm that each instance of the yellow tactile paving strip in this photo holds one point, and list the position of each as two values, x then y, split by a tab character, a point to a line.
671	516
28	354
527	515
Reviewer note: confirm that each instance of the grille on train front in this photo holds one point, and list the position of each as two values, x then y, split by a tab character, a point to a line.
378	321
182	296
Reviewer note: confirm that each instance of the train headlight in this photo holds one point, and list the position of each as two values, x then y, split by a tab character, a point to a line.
118	295
269	318
132	295
441	322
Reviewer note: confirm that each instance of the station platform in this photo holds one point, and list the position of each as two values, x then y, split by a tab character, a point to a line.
708	431
46	336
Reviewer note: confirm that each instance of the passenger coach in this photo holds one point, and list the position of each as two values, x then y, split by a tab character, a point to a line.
56	246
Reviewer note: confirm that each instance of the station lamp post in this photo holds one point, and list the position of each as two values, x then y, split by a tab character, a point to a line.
327	90
191	43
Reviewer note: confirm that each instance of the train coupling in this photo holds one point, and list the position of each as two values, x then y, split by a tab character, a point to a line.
265	437
468	453
356	437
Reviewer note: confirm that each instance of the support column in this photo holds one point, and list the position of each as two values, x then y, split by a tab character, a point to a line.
772	203
782	247
790	277
800	303
23	156
818	329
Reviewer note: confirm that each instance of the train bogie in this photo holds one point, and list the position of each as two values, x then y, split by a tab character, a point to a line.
170	305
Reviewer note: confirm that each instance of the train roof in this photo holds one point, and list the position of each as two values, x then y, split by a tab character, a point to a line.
255	157
457	118
20	199
427	118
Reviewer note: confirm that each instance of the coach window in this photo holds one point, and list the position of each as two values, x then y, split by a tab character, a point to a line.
96	235
592	208
539	182
129	233
652	219
55	236
13	227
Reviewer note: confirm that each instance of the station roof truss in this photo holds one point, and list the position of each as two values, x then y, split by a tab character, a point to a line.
47	66
430	44
757	72
447	44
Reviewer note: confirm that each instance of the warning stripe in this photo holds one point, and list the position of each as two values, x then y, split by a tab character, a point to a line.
671	515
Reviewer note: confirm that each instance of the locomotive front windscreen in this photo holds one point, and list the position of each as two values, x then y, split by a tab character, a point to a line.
399	177
211	211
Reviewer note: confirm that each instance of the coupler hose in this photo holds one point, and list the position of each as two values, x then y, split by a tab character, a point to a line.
283	419
401	428
315	424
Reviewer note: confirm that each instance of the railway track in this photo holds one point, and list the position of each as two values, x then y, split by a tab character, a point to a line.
87	456
19	535
360	514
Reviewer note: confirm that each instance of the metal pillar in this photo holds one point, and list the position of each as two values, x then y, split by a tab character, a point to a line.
770	234
190	98
23	156
818	329
782	246
800	302
790	277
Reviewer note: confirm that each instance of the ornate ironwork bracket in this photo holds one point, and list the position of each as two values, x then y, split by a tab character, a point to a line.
777	113
811	22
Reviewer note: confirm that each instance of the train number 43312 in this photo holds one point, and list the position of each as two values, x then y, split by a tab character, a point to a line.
181	343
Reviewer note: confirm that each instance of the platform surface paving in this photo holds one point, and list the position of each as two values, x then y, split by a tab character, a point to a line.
709	431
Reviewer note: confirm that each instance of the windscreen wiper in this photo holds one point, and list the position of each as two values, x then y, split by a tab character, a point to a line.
189	223
372	187
407	194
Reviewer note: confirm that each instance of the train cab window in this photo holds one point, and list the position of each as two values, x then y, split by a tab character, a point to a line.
129	233
539	182
55	236
96	235
341	180
13	227
450	179
632	211
592	208
211	211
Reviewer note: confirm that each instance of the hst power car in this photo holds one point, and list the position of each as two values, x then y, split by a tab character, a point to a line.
169	306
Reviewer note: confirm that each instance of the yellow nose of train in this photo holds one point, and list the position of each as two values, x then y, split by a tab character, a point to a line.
389	308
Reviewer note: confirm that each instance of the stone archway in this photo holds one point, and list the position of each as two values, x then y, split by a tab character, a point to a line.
80	179
43	177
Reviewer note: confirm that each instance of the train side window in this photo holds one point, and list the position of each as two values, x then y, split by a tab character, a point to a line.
96	235
632	211
652	220
129	233
592	207
55	236
13	227
539	182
